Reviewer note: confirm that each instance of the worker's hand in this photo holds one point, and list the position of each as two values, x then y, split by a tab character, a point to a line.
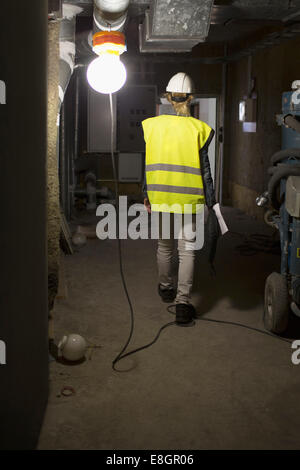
147	205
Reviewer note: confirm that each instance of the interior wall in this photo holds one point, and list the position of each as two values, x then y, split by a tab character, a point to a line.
247	156
208	114
53	208
23	287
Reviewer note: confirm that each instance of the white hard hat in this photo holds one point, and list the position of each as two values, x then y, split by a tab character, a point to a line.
180	83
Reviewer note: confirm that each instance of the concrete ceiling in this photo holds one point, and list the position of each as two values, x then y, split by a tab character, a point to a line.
237	19
230	21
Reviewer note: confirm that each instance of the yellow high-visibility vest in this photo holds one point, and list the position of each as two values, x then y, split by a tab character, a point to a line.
173	173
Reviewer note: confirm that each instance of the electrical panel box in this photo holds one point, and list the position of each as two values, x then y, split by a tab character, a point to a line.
135	103
130	167
251	110
248	114
248	110
99	122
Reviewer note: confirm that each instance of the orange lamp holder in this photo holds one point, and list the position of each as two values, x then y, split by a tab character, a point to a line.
111	42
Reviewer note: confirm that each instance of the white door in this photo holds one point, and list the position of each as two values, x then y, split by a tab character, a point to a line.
208	114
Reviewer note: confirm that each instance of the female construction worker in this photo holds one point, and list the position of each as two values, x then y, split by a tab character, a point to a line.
177	173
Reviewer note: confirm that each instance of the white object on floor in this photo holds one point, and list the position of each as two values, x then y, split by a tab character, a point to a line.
72	347
79	238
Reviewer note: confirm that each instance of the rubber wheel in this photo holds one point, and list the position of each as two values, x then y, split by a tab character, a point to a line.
268	217
276	312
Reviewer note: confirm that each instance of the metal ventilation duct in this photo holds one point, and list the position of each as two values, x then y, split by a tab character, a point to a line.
175	26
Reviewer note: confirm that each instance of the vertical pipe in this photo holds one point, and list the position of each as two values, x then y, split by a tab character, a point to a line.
69	148
67	47
76	132
76	113
62	158
224	93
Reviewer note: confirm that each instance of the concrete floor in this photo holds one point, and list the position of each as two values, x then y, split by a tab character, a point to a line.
210	386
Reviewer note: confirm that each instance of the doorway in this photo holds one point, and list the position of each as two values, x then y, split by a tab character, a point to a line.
205	109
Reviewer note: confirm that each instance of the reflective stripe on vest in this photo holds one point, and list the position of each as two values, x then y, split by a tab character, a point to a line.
174	189
177	168
173	172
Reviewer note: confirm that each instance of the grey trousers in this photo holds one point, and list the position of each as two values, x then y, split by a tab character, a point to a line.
186	256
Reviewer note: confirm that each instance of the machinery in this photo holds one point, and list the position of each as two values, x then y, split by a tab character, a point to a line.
282	290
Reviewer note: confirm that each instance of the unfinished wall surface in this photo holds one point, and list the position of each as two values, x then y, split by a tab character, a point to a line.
52	163
247	156
23	287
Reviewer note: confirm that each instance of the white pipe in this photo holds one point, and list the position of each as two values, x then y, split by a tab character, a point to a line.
112	6
110	14
67	47
70	11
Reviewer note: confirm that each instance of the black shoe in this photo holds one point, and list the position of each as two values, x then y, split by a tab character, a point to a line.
167	295
185	313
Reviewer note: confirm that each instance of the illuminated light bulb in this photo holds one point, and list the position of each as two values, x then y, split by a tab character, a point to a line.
106	74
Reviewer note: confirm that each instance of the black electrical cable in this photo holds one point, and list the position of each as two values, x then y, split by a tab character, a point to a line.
133	351
241	325
225	322
119	356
